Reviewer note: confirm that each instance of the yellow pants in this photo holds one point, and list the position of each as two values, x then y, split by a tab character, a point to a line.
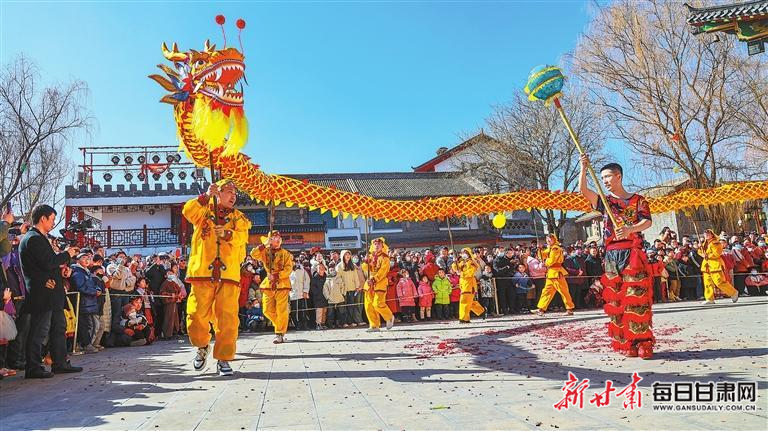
276	308
550	287
714	280
204	306
376	308
467	303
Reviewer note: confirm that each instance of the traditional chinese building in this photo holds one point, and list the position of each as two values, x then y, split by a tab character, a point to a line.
133	199
747	20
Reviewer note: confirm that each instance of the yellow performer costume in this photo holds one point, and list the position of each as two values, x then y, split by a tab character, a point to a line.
376	269
467	268
214	300
712	268
553	259
276	288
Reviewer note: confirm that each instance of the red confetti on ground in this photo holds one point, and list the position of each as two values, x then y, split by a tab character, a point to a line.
575	336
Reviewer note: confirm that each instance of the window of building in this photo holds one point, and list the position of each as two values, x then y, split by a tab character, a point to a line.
457	223
257	217
292	216
381	225
327	218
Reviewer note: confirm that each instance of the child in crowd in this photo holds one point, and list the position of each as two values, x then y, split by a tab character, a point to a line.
406	296
455	294
523	284
486	290
254	318
426	296
442	289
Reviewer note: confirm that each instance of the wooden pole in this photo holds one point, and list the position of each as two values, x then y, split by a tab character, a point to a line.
589	166
450	234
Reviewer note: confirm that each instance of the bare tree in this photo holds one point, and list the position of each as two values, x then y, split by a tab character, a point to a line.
754	113
36	126
675	98
532	148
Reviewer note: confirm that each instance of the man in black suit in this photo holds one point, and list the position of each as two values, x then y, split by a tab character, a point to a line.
45	295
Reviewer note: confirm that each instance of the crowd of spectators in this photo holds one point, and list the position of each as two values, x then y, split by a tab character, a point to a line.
115	299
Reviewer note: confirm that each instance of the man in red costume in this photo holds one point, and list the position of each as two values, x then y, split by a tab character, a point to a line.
628	288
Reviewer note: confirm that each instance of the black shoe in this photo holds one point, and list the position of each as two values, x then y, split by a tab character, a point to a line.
66	369
40	373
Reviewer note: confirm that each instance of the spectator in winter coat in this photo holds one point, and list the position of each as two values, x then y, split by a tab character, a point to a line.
104	307
429	268
536	270
170	293
445	260
442	288
406	296
486	290
455	294
349	278
688	277
82	282
333	290
299	298
319	302
523	284
426	297
504	269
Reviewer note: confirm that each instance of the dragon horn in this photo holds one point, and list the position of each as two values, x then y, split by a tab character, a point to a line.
209	47
174	55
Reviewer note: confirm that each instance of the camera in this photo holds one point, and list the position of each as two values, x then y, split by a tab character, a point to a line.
15	228
69	233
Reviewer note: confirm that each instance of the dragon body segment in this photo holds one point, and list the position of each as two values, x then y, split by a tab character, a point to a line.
206	94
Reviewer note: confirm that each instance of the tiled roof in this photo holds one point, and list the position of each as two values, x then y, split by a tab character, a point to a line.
727	12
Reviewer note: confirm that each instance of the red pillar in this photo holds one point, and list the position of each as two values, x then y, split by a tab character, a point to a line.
80	235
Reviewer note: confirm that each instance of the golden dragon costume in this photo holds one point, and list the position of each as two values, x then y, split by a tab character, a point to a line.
208	108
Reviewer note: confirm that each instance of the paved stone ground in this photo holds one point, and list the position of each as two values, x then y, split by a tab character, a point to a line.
502	373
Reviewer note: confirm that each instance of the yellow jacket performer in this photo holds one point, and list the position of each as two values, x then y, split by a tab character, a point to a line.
553	260
215	282
276	288
467	267
712	269
376	268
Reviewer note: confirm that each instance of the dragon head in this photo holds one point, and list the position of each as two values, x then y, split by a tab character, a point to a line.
207	85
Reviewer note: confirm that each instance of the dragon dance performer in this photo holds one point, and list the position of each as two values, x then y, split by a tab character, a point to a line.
278	262
553	260
212	298
376	268
712	268
467	267
627	288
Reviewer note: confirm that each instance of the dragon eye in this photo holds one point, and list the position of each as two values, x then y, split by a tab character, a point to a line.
200	62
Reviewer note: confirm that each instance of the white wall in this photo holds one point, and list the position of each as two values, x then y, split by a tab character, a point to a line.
661	220
136	220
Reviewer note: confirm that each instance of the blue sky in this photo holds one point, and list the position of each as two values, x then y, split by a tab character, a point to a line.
334	87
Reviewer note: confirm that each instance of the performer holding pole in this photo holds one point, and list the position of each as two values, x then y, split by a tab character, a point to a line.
627	288
628	291
218	247
712	268
555	282
278	262
466	267
377	267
